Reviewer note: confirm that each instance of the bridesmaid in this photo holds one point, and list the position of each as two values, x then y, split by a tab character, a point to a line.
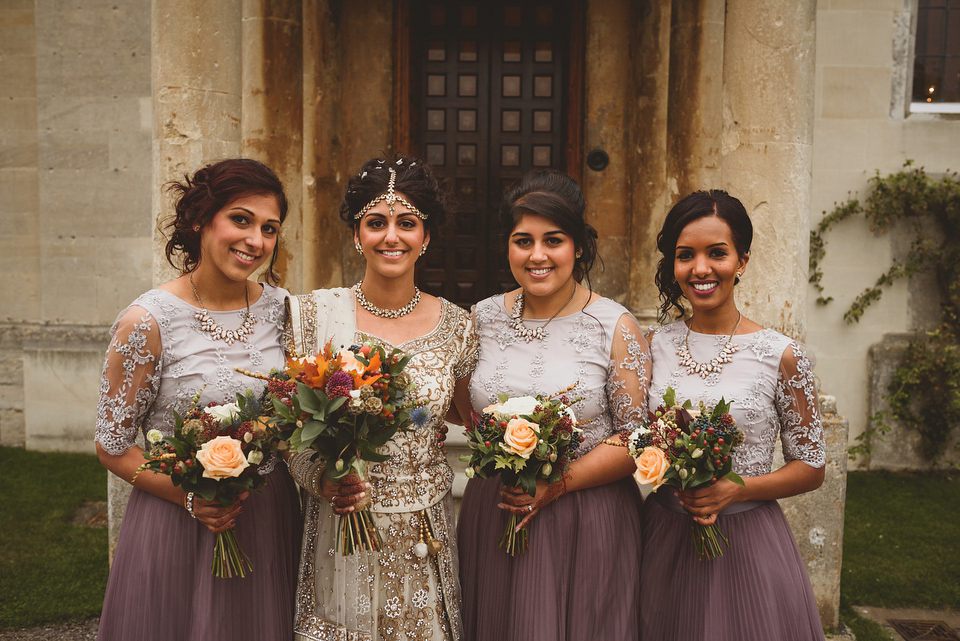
226	227
759	589
580	577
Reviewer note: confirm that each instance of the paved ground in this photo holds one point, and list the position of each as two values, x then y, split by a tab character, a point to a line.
74	631
883	616
87	630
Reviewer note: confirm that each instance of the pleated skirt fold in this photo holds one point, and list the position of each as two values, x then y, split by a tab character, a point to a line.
579	580
161	587
757	591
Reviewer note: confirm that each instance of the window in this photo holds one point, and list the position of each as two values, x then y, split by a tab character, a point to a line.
936	67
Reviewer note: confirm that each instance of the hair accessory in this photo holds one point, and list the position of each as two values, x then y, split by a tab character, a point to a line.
188	504
715	364
215	330
385	313
423	249
359	248
390	197
524	332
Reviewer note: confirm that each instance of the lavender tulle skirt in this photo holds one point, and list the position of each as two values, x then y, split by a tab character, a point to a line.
160	584
757	591
579	580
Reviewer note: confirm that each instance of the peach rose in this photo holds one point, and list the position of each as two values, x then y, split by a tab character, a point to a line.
221	458
521	437
652	464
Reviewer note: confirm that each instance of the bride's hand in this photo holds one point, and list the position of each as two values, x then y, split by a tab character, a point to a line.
343	495
518	502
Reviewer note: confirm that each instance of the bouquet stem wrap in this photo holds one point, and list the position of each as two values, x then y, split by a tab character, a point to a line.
229	559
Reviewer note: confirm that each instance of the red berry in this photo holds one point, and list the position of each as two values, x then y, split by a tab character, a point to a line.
713	480
188	462
720	441
716	450
726	458
486	443
710	430
163	466
503	425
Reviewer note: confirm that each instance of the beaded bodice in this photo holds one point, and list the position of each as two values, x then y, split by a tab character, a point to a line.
769	383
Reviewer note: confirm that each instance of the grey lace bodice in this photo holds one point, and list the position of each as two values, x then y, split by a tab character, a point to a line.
769	384
158	360
600	349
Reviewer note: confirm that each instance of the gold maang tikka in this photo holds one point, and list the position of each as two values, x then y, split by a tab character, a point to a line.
391	197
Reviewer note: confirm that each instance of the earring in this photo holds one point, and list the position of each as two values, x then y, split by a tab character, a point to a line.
196	228
579	254
423	249
359	248
739	274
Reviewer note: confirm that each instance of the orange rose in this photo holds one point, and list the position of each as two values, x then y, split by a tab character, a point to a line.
651	466
221	458
521	437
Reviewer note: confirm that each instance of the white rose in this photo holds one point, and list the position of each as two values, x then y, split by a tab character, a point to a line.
154	436
518	406
223	413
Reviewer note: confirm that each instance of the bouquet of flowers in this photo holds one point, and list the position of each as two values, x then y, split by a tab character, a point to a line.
214	452
345	404
688	449
522	439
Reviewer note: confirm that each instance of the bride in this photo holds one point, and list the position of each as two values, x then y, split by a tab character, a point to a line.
392	209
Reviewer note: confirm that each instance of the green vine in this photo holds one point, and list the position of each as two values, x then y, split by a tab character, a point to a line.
924	394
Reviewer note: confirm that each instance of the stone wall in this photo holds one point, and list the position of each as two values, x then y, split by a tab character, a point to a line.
899	449
75	218
863	124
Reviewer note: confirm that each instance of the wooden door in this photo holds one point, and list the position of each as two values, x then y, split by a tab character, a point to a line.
490	99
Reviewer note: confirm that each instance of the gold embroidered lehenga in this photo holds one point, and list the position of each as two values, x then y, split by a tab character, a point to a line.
391	594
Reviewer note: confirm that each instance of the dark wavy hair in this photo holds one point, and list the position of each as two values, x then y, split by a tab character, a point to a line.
415	180
699	204
210	189
558	198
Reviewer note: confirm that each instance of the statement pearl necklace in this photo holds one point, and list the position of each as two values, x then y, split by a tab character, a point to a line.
715	364
522	331
386	313
215	330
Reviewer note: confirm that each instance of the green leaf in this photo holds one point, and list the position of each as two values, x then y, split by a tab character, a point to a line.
736	478
669	397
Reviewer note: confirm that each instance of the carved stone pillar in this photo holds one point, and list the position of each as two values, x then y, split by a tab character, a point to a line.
768	92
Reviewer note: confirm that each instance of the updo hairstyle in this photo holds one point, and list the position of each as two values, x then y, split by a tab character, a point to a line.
558	198
699	204
415	180
210	189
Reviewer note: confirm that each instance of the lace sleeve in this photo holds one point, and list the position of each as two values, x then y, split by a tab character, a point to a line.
130	380
629	374
469	350
798	408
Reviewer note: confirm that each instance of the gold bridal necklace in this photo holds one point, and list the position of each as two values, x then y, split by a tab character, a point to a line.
215	330
524	332
385	313
715	364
